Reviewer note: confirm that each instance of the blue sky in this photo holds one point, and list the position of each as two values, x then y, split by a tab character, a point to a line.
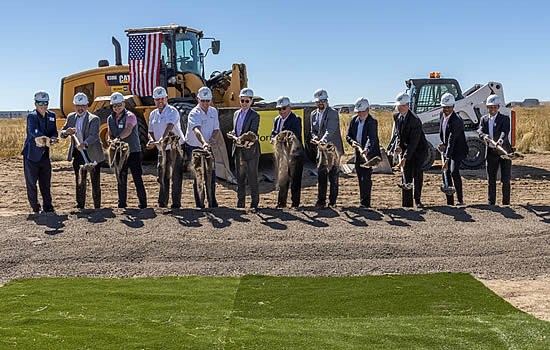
350	48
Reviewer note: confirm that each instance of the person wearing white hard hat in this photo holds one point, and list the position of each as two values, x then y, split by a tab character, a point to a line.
36	159
363	137
411	144
495	126
288	121
163	120
246	159
325	127
203	128
85	128
453	146
123	126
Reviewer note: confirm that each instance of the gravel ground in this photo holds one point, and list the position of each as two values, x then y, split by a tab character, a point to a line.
506	247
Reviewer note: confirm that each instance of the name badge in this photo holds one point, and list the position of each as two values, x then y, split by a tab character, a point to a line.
121	126
52	119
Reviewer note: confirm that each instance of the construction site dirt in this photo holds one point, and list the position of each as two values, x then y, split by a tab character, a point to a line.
505	247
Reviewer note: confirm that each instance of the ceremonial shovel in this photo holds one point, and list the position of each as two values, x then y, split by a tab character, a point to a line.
404	185
448	190
87	164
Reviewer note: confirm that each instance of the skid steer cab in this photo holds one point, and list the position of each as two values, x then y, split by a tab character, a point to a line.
470	105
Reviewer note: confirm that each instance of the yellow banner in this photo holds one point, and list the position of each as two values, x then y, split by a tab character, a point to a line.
266	126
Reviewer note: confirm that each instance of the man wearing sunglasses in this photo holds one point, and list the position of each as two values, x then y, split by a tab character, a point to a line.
85	128
162	121
123	127
325	127
246	159
36	160
287	120
203	128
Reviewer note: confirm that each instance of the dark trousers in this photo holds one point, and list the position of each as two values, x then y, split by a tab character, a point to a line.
413	173
365	184
331	176
78	160
454	179
247	170
294	179
214	204
163	177
40	171
493	163
134	164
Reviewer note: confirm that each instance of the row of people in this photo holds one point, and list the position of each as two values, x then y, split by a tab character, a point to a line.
408	140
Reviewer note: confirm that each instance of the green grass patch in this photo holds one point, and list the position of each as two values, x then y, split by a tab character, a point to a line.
438	311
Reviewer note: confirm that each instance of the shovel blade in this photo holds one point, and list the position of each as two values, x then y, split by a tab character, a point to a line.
406	186
372	163
514	156
449	191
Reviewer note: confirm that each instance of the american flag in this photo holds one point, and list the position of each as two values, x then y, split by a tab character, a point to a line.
144	61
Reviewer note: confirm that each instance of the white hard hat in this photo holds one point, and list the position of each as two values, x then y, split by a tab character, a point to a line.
159	92
447	100
361	105
283	101
402	99
117	97
320	94
246	92
493	100
41	96
204	93
80	99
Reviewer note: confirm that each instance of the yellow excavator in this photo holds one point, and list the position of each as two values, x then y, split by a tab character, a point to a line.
181	73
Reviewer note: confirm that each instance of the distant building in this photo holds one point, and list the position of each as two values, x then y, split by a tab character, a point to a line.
14	114
528	102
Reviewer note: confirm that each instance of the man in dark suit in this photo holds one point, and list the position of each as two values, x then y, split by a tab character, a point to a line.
411	142
36	159
453	145
287	120
363	136
325	127
85	128
246	159
496	126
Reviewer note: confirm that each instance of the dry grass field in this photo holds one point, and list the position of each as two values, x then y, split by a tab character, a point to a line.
533	129
12	137
533	132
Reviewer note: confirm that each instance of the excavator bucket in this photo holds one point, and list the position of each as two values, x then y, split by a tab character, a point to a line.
223	169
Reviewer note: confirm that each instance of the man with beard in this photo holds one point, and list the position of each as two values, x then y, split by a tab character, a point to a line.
83	127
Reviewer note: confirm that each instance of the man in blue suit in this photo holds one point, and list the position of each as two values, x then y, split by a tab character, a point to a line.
363	136
453	145
36	159
286	120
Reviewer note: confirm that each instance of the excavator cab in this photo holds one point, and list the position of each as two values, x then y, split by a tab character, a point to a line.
181	60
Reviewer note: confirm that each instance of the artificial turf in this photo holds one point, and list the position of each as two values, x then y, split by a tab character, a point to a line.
437	311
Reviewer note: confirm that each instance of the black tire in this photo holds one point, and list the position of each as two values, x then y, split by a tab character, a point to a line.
310	149
430	158
476	154
184	108
143	131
